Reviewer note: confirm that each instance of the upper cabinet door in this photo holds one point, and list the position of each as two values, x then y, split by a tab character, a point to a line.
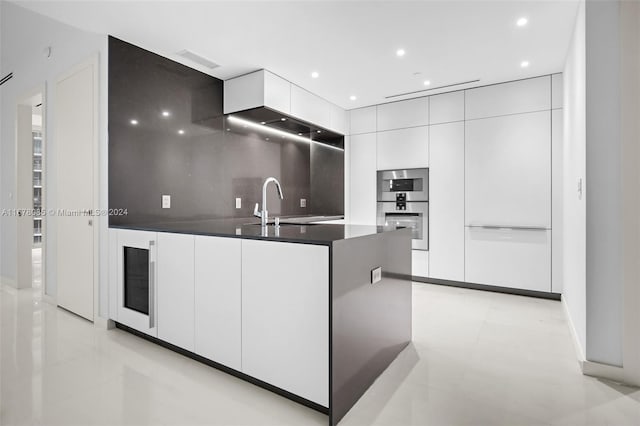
556	91
529	95
339	119
508	171
309	107
402	114
277	93
362	120
446	108
363	179
403	149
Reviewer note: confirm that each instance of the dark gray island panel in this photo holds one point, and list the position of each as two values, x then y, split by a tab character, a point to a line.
371	323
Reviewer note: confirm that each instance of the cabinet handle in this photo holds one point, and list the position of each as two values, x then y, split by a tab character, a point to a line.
152	287
520	228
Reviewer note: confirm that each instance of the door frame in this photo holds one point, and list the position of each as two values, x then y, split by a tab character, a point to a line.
91	61
27	99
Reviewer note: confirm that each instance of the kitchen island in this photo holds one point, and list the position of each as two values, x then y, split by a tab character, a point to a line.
314	312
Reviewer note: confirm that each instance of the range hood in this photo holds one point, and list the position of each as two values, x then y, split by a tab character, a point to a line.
271	119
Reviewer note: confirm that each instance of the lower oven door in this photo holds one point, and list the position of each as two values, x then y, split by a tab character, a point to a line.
415	216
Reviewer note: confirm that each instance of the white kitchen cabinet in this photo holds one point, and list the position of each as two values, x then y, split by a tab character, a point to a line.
403	149
509	258
309	107
218	290
363	179
446	201
143	278
257	89
533	94
557	154
556	91
362	120
446	108
285	316
508	170
277	92
339	119
402	114
420	263
176	289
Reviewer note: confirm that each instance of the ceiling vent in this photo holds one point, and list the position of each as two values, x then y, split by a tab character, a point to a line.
194	57
431	88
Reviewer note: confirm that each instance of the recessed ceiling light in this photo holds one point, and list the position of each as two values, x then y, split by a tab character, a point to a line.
134	122
315	74
400	52
524	64
166	113
522	22
299	134
427	82
263	122
283	119
181	132
228	130
318	131
353	97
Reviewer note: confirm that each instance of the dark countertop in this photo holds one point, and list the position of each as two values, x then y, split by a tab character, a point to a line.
320	234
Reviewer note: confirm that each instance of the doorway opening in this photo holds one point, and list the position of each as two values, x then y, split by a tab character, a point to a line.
30	191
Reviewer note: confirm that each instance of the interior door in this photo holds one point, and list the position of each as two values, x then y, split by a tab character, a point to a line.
75	137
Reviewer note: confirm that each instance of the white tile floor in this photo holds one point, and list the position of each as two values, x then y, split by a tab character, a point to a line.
477	359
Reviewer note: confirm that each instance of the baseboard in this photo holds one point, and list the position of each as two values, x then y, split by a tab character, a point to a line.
104	323
574	335
49	299
485	287
10	282
604	371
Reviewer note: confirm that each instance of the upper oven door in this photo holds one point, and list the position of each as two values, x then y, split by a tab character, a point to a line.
408	184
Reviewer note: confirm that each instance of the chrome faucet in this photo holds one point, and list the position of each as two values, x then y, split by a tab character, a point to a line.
264	214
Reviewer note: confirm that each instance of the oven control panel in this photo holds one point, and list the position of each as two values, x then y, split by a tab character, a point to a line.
401	201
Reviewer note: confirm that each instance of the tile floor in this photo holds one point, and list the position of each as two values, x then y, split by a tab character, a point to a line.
477	358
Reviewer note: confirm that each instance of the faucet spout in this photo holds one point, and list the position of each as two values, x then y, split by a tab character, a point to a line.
264	215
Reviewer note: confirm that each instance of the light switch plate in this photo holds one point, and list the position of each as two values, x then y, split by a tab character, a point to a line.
376	275
166	201
303	202
238	203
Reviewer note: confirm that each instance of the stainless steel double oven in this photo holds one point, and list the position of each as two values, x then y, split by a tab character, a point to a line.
403	200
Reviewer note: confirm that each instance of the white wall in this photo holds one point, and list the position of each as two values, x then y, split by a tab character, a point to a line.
574	215
602	232
604	203
24	35
630	97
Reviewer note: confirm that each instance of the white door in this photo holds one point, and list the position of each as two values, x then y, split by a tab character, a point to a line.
75	106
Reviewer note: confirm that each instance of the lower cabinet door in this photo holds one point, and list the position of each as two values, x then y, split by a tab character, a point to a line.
175	289
507	257
218	300
419	263
285	316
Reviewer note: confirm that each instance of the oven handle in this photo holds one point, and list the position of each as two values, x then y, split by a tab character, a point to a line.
519	228
152	287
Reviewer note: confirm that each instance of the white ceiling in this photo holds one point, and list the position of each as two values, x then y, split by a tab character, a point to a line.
352	44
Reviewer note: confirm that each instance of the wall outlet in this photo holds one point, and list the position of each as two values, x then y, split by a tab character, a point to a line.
303	202
238	203
376	274
166	201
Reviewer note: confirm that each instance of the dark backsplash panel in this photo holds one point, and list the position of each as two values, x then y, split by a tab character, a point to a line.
213	162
